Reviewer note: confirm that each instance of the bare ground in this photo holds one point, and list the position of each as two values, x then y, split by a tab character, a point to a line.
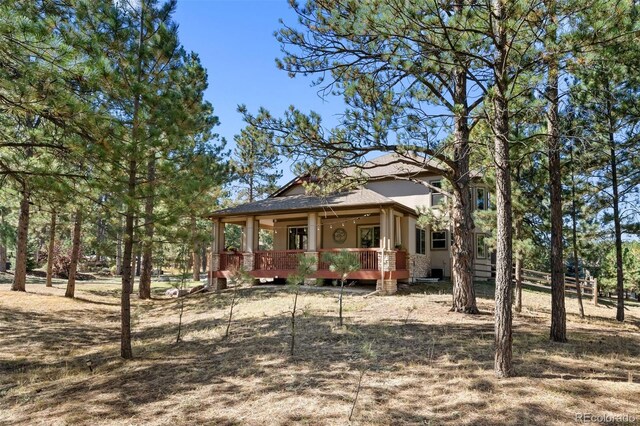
428	366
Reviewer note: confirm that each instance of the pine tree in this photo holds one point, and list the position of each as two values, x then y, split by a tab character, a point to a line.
607	96
255	162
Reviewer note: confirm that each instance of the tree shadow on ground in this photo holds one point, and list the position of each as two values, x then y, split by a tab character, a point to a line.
255	361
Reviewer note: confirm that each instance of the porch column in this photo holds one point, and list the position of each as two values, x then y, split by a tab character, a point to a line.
386	255
217	246
391	230
249	236
219	235
312	242
213	253
312	226
384	233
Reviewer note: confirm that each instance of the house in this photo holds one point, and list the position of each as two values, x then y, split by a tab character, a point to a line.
376	222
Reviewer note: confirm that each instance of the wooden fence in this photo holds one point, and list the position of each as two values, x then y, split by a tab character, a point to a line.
588	286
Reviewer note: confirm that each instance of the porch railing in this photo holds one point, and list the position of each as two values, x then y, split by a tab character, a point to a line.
401	260
230	260
277	260
287	260
368	258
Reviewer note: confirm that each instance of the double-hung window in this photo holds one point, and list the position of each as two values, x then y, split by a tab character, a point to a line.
439	240
436	195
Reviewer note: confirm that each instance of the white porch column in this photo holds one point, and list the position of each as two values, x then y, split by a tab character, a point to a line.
391	230
248	244
386	255
256	235
249	235
217	245
312	234
384	225
220	237
214	236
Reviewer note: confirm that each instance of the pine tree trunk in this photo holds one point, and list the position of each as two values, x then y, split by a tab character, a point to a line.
518	272
3	247
52	243
574	231
119	247
558	332
195	251
75	255
464	298
144	286
20	272
125	308
618	237
617	228
3	258
503	365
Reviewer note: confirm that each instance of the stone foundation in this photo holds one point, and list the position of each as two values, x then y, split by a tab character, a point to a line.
387	286
219	284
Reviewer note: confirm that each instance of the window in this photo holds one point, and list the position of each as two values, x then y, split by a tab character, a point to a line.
481	247
439	240
436	196
481	199
297	238
368	236
421	241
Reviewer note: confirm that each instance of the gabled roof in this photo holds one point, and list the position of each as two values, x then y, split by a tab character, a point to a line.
301	202
394	164
385	166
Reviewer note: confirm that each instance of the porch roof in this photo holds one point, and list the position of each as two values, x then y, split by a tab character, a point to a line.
301	202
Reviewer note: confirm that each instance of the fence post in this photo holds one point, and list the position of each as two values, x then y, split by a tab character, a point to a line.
595	291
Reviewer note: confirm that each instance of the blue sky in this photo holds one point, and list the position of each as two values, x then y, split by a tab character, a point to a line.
235	41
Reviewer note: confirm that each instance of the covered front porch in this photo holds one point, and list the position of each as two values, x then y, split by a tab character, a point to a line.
379	237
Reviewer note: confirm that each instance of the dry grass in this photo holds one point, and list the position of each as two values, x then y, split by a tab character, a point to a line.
435	369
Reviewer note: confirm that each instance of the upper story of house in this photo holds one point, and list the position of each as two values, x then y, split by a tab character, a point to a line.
401	183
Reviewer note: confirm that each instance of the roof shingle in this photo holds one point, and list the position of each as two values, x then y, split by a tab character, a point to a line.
358	198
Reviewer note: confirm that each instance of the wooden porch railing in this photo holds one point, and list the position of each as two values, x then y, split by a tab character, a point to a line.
368	258
287	260
401	260
284	260
230	260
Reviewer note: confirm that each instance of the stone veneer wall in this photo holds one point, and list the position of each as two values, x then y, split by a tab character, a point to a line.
418	265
